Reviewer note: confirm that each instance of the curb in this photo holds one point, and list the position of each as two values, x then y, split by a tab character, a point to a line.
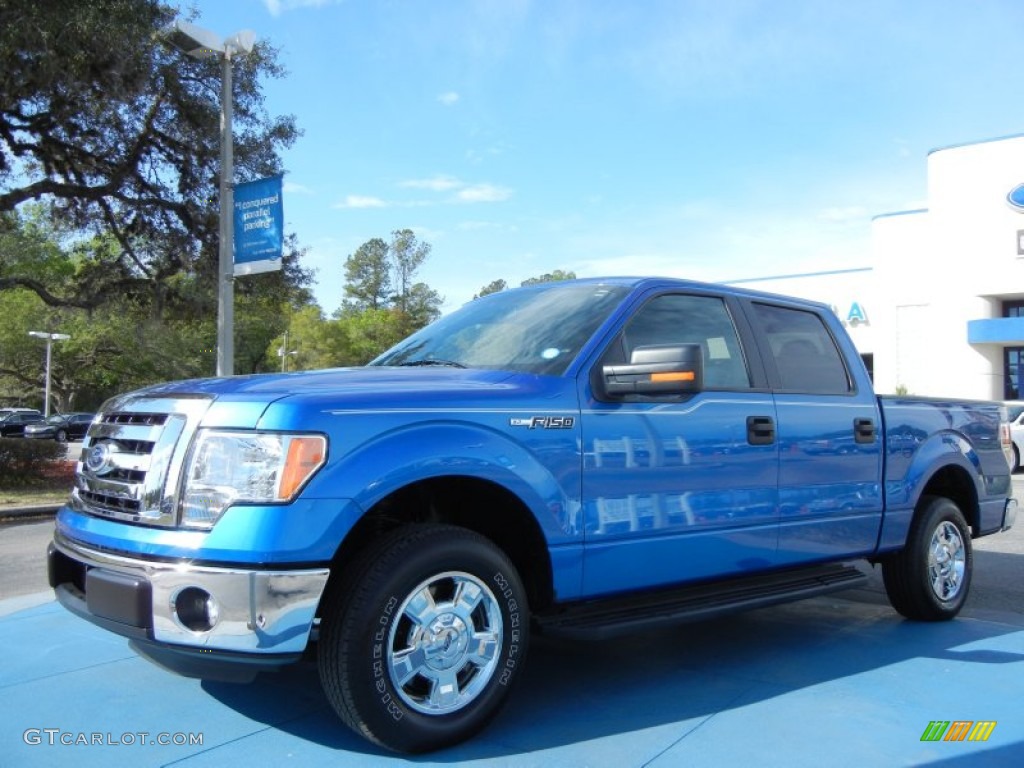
28	513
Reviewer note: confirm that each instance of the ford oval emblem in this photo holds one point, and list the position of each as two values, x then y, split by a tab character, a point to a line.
99	460
1016	198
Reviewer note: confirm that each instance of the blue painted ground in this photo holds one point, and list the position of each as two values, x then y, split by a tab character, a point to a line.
826	682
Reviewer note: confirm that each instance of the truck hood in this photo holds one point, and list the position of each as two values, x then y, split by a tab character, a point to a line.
375	387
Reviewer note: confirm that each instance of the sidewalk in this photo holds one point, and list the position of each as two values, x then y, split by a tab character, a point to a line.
829	681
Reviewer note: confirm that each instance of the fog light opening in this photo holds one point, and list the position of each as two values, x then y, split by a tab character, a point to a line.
196	609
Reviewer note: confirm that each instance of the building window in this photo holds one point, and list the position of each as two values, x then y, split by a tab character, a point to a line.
869	364
1013	309
1013	364
1013	357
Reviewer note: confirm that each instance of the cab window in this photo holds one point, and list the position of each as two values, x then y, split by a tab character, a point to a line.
687	319
806	356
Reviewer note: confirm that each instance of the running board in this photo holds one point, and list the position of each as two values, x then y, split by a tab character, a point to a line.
598	619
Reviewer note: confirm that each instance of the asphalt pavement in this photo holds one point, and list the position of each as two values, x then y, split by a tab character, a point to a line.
839	680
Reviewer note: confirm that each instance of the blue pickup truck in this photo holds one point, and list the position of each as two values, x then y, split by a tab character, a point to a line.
585	457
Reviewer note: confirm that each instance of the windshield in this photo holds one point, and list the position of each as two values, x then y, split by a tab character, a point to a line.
535	330
58	419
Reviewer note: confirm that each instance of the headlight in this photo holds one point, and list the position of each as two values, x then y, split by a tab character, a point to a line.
229	467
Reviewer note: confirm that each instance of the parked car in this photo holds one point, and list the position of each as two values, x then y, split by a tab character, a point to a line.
13	424
1015	415
7	411
61	427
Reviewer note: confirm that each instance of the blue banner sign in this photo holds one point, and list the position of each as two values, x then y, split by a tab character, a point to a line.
259	226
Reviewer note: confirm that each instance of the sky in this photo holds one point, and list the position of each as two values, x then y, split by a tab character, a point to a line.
706	139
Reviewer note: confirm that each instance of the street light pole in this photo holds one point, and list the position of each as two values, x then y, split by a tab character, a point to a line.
50	338
283	352
226	265
198	42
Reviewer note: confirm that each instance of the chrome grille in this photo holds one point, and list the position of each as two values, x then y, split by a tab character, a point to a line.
132	458
110	503
146	419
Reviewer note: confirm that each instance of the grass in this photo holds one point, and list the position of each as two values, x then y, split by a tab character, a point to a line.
44	493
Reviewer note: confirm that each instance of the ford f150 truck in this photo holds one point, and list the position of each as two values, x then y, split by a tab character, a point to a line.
580	457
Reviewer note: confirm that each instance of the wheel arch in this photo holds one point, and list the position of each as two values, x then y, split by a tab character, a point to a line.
479	505
955	483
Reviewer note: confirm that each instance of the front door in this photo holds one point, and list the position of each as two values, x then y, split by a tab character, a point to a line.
680	488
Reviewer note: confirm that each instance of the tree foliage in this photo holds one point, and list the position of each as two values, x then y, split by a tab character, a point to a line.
381	277
383	304
120	134
550	277
368	276
109	206
109	184
495	286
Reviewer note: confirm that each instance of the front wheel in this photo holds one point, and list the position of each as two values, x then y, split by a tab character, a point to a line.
62	436
929	579
422	640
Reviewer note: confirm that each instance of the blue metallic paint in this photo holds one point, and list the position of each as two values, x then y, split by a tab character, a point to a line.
306	532
677	488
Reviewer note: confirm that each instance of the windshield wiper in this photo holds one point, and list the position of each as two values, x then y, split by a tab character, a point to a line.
447	363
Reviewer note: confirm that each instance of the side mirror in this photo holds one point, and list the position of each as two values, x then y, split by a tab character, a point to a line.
669	369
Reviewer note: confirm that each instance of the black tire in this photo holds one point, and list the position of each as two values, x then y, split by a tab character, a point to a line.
62	436
930	578
1016	459
391	677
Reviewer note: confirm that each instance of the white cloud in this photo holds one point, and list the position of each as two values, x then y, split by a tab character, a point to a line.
436	184
448	98
483	193
296	189
464	191
361	201
277	7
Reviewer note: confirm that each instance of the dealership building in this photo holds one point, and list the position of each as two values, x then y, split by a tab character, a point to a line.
940	309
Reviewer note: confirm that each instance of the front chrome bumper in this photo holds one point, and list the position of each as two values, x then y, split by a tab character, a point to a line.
257	611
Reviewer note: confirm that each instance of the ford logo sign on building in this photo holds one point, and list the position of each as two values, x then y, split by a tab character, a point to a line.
1015	198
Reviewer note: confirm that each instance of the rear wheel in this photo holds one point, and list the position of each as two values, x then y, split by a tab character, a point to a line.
930	578
421	642
1016	459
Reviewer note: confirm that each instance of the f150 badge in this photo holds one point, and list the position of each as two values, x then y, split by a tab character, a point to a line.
544	422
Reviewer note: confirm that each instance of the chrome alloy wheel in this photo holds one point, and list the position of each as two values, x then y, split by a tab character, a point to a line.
444	643
946	561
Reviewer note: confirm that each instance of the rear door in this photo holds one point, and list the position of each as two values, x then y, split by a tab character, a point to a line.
830	493
681	487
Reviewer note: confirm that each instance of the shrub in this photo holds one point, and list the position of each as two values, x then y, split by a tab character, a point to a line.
23	462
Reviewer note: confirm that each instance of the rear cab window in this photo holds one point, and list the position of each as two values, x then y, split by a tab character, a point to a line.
804	352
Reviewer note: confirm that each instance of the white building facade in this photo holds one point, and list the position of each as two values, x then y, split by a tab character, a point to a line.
940	311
